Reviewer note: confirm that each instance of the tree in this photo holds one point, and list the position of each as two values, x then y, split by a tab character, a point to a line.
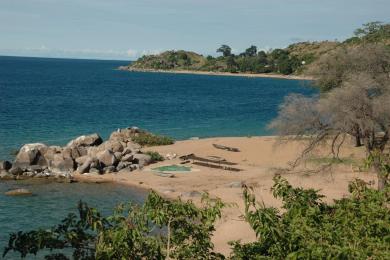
225	50
251	51
356	103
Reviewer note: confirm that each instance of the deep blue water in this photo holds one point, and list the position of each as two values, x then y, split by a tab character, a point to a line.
55	100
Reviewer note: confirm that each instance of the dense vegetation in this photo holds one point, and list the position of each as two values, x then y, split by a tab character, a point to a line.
148	139
294	59
307	228
352	228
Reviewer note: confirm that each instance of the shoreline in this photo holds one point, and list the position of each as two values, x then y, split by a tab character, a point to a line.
259	159
212	73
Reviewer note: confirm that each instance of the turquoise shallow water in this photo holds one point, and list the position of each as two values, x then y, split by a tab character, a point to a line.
55	100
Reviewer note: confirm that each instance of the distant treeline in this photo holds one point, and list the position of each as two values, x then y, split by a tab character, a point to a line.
291	60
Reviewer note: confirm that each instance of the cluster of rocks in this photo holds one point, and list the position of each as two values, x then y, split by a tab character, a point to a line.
85	154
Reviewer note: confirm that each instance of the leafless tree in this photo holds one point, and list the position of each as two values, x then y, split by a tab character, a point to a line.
357	104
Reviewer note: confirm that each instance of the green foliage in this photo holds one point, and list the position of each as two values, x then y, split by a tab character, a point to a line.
225	50
155	156
160	229
148	139
352	228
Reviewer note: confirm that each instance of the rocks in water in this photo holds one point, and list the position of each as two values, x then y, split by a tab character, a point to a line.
86	140
19	192
85	154
5	165
6	176
61	164
30	154
16	171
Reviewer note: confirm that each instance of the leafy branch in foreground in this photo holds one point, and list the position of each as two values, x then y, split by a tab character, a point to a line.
352	228
160	229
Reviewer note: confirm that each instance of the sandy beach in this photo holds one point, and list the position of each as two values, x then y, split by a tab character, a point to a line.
211	73
259	159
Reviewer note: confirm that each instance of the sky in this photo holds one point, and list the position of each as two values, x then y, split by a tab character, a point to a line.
128	29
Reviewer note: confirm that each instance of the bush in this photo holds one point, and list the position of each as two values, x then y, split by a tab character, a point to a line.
160	229
351	228
148	139
155	156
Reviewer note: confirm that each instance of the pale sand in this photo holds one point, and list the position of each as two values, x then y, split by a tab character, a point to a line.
250	75
259	158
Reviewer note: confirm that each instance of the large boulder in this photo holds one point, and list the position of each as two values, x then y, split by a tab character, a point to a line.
31	154
61	165
142	159
86	140
125	134
85	166
114	146
107	158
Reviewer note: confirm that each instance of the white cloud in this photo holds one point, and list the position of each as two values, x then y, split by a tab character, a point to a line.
44	51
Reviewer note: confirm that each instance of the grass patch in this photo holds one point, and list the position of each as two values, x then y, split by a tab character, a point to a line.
155	156
148	139
328	160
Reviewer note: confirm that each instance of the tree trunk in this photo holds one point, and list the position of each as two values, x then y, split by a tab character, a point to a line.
358	141
382	179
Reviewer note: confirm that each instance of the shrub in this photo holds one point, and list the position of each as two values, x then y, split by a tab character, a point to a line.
148	139
352	228
155	156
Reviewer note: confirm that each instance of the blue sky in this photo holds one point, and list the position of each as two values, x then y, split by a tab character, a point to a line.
126	29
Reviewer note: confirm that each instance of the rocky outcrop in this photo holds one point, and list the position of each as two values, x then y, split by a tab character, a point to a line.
85	154
19	192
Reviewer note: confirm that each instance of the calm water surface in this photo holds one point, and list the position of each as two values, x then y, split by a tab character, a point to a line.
55	100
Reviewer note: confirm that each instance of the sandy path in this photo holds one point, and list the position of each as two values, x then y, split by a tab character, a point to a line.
259	159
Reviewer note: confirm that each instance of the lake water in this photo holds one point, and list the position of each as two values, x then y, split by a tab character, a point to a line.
55	100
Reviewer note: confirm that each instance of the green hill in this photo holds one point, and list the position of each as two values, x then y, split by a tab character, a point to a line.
294	59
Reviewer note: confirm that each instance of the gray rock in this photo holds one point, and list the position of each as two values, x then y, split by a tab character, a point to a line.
142	159
95	171
85	166
86	140
19	192
121	165
5	165
61	165
126	151
35	168
109	169
128	158
107	158
81	160
30	154
16	171
6	176
118	155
